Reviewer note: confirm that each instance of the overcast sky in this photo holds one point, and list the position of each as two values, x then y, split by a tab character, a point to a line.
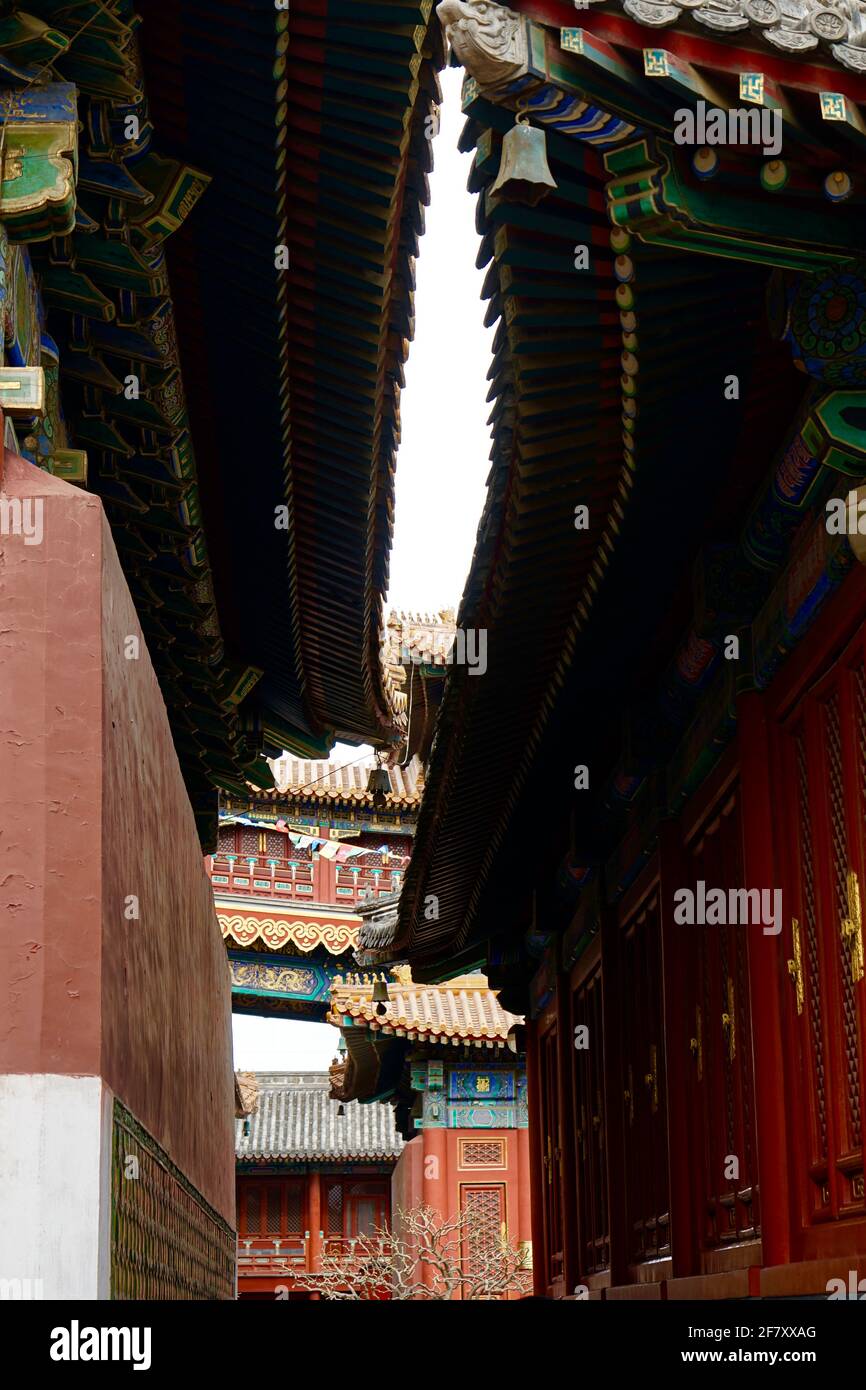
441	470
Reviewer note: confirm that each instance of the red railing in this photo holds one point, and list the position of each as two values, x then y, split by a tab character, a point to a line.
266	1255
316	881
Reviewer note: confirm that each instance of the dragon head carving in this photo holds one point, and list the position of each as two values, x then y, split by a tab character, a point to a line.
489	40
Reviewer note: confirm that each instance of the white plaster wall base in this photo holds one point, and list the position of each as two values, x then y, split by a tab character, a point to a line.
55	1195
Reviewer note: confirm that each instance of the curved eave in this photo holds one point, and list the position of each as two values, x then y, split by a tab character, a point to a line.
569	366
312	123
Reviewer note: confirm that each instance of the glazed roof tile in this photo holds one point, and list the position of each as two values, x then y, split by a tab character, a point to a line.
297	1121
463	1010
325	781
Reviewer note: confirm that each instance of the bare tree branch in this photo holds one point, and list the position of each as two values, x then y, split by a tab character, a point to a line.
425	1258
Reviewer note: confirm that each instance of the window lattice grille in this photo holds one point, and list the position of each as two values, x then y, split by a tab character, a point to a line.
274	1194
254	1217
294	1209
485	1234
478	1153
335	1209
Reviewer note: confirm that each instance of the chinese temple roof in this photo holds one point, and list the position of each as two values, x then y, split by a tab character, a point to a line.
239	245
463	1011
296	1121
601	401
313	121
329	782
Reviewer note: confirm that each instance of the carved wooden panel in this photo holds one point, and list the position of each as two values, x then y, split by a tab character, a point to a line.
551	1154
644	1090
722	1092
821	759
591	1126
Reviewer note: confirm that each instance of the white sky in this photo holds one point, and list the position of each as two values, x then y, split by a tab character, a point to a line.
441	471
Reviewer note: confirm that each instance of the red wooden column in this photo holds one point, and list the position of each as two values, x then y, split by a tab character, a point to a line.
612	1001
765	966
435	1187
675	944
314	1218
536	1157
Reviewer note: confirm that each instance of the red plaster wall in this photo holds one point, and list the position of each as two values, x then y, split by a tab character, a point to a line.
92	810
440	1188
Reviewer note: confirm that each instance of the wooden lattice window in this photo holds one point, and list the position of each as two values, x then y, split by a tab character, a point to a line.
294	1222
482	1153
721	1100
821	751
276	844
274	1195
335	1209
487	1206
249	843
252	1210
271	1207
226	840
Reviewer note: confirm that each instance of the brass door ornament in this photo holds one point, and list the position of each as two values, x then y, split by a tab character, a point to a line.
651	1079
729	1023
795	965
696	1044
851	928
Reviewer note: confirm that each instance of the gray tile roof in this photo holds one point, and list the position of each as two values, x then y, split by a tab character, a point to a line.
297	1120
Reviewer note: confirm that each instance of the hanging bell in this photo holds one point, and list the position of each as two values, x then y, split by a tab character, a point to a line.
379	785
380	996
524	175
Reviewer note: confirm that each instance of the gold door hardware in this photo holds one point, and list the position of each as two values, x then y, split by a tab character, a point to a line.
795	965
548	1160
729	1024
852	928
651	1078
696	1044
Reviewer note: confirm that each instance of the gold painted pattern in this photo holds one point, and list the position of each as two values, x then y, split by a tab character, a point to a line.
277	932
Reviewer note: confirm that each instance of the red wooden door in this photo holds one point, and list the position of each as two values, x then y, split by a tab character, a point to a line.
366	1208
591	1127
644	1086
551	1155
820	764
485	1202
721	1083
